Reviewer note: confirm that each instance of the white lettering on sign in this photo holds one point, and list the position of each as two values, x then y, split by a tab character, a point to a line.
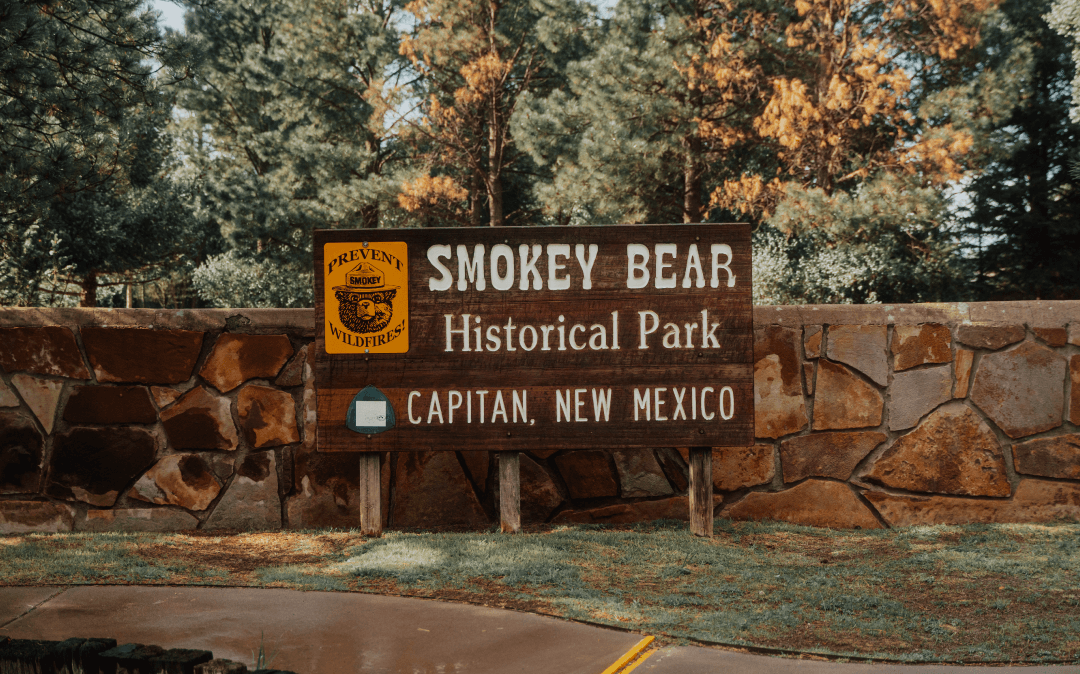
518	410
648	403
671	267
637	266
469	333
657	404
371	413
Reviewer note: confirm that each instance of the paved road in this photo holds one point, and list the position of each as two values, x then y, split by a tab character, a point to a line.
327	633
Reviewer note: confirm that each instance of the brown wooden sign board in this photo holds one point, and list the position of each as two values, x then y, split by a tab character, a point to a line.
521	338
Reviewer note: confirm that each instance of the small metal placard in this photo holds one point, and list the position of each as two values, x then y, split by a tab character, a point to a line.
370	412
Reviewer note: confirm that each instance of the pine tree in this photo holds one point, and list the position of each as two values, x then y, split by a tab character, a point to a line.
1064	17
476	60
1024	221
641	134
78	104
288	127
866	149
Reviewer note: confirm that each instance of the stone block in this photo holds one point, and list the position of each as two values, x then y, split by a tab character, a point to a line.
1074	333
185	480
812	335
863	348
826	454
267	416
200	420
964	358
143	356
952	452
674	508
779	406
110	405
640	474
327	490
21	447
674	468
431	490
1034	501
842	400
1074	389
251	501
137	519
1053	336
21	517
913	394
477	464
989	336
587	474
238	358
7	396
740	467
1021	390
1058	457
164	396
93	464
41	396
815	503
49	350
915	345
293	374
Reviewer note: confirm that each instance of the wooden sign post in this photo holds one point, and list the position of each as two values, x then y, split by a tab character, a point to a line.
517	338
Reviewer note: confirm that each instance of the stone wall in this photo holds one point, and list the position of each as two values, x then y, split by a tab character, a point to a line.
867	416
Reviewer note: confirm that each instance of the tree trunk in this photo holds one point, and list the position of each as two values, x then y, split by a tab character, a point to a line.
495	201
89	289
692	171
475	211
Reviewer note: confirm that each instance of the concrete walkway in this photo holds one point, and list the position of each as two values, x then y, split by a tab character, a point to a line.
328	633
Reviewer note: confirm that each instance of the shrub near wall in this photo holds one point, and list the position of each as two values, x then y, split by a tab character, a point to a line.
867	416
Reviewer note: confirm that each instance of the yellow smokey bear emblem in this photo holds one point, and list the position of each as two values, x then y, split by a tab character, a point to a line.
364	283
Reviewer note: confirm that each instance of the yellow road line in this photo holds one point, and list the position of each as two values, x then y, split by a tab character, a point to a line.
628	656
639	661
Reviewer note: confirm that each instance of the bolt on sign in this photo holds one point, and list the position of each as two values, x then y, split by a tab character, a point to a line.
519	338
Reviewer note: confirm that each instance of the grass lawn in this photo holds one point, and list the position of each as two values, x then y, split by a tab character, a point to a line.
978	593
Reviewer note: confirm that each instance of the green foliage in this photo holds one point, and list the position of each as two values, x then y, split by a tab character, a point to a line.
1064	17
284	130
80	143
884	243
1023	227
626	140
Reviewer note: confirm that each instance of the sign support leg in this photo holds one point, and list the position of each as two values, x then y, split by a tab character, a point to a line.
371	494
510	491
701	501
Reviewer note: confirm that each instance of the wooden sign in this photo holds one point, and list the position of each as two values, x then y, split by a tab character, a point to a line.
520	338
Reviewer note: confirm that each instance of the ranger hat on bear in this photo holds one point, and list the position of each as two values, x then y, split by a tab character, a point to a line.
365	277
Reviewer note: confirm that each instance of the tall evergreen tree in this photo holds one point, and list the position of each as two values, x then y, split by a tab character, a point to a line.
1024	222
866	151
476	60
78	104
639	134
287	127
1064	17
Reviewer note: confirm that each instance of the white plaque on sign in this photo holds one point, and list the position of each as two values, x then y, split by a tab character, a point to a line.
370	412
